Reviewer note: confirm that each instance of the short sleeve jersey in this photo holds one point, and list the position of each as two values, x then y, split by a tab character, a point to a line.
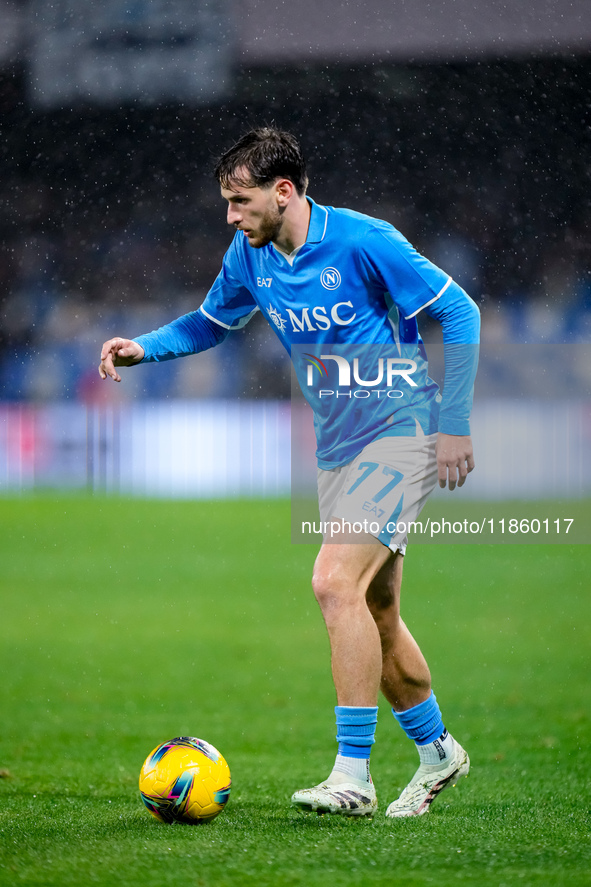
345	309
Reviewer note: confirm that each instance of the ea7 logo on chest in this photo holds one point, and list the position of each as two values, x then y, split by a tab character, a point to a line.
264	281
322	318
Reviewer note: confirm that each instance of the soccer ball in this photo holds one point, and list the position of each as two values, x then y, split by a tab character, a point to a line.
185	780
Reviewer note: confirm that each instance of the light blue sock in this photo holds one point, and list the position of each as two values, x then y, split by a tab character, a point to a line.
356	728
422	723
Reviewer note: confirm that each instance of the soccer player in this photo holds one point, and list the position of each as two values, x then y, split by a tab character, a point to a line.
342	291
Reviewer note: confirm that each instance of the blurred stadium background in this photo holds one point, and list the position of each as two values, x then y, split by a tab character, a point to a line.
467	125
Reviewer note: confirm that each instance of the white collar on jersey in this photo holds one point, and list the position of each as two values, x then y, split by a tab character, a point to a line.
289	257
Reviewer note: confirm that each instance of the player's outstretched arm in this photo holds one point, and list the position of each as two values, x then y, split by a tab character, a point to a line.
118	352
455	459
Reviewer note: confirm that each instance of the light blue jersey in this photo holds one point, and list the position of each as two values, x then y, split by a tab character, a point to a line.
343	284
344	305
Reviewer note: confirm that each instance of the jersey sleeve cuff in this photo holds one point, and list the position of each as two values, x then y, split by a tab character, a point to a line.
459	427
141	340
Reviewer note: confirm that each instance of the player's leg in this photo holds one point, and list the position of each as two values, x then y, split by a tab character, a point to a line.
342	575
405	679
406	684
387	484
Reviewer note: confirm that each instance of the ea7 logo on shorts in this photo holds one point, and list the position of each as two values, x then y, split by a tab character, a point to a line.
330	279
264	281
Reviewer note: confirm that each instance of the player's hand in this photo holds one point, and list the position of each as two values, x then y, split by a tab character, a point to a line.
118	352
454	459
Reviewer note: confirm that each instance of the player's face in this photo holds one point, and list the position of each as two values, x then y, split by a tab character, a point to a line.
255	212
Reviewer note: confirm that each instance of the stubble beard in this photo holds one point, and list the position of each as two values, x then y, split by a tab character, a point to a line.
268	230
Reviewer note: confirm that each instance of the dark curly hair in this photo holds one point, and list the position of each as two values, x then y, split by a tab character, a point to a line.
261	156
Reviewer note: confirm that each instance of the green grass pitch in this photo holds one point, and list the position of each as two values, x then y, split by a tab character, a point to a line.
125	623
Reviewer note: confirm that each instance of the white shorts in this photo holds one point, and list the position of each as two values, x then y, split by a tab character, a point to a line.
381	491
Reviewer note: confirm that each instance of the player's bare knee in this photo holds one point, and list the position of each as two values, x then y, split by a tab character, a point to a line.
334	590
326	587
383	593
384	609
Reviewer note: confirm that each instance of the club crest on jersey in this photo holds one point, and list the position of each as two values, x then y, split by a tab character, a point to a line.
276	317
330	278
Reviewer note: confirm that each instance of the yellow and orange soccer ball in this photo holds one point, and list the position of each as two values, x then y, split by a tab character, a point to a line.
185	780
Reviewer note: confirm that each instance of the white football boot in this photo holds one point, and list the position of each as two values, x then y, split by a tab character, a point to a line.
351	797
428	782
